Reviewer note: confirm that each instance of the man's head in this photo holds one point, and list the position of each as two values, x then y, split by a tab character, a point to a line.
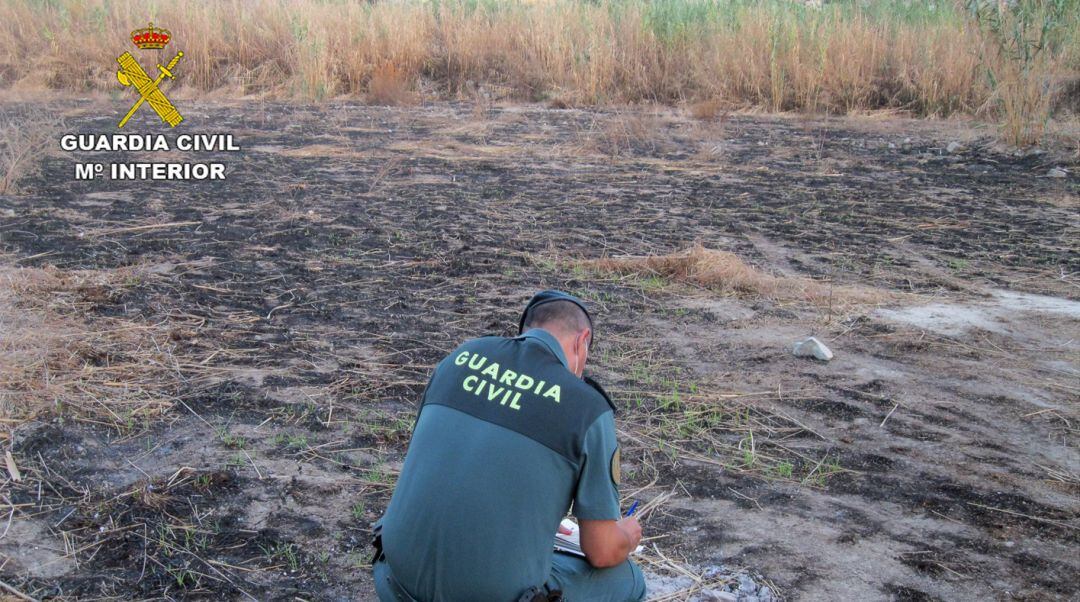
565	317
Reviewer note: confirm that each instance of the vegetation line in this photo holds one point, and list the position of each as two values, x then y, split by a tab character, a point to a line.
976	57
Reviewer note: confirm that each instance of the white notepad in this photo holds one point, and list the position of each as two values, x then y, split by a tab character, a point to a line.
571	543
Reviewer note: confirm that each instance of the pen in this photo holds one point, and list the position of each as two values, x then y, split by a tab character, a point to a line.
633	507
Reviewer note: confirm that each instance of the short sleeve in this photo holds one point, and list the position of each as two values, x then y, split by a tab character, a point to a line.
597	493
427	389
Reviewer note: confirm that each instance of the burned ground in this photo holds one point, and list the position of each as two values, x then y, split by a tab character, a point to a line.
306	299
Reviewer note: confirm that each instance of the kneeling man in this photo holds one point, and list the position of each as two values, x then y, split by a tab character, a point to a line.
509	434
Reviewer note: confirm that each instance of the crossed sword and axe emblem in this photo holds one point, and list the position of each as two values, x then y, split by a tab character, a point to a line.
131	74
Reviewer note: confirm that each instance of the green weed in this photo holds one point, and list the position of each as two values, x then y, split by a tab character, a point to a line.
652	283
232	441
958	265
282	552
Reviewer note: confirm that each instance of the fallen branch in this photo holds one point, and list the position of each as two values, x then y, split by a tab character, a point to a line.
18	594
143	228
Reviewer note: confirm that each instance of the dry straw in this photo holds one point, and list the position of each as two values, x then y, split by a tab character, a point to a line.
926	58
55	358
727	273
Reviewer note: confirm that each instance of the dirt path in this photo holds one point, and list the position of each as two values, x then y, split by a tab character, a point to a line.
307	297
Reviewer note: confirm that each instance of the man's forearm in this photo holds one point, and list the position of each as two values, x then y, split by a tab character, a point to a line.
608	543
629	543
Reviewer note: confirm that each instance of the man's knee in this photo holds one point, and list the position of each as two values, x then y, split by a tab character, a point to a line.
580	581
638	589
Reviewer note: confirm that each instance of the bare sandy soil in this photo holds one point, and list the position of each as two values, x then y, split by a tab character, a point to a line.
306	298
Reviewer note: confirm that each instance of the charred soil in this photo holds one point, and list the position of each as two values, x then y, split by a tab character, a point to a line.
307	296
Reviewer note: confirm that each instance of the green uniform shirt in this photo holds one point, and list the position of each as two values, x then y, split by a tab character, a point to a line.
506	439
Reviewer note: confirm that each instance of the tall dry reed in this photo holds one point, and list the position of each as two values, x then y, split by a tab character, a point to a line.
928	58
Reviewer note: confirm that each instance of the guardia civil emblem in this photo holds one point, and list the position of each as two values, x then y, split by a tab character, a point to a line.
616	467
131	74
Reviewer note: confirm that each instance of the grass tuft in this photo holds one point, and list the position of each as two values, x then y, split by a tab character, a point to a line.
25	140
727	273
389	86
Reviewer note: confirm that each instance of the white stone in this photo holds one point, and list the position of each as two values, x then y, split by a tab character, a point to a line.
1057	172
954	147
746	584
814	348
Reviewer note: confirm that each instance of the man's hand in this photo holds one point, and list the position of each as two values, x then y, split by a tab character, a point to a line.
608	542
632	528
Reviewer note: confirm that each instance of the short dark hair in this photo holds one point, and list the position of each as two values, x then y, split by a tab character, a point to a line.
564	316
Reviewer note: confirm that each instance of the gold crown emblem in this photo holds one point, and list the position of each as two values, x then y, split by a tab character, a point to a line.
151	38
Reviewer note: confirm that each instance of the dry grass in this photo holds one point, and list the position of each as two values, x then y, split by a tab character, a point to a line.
1021	49
708	110
727	273
24	141
626	133
56	359
774	55
388	86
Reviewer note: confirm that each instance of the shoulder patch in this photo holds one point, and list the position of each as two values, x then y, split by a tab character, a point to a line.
616	467
595	385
